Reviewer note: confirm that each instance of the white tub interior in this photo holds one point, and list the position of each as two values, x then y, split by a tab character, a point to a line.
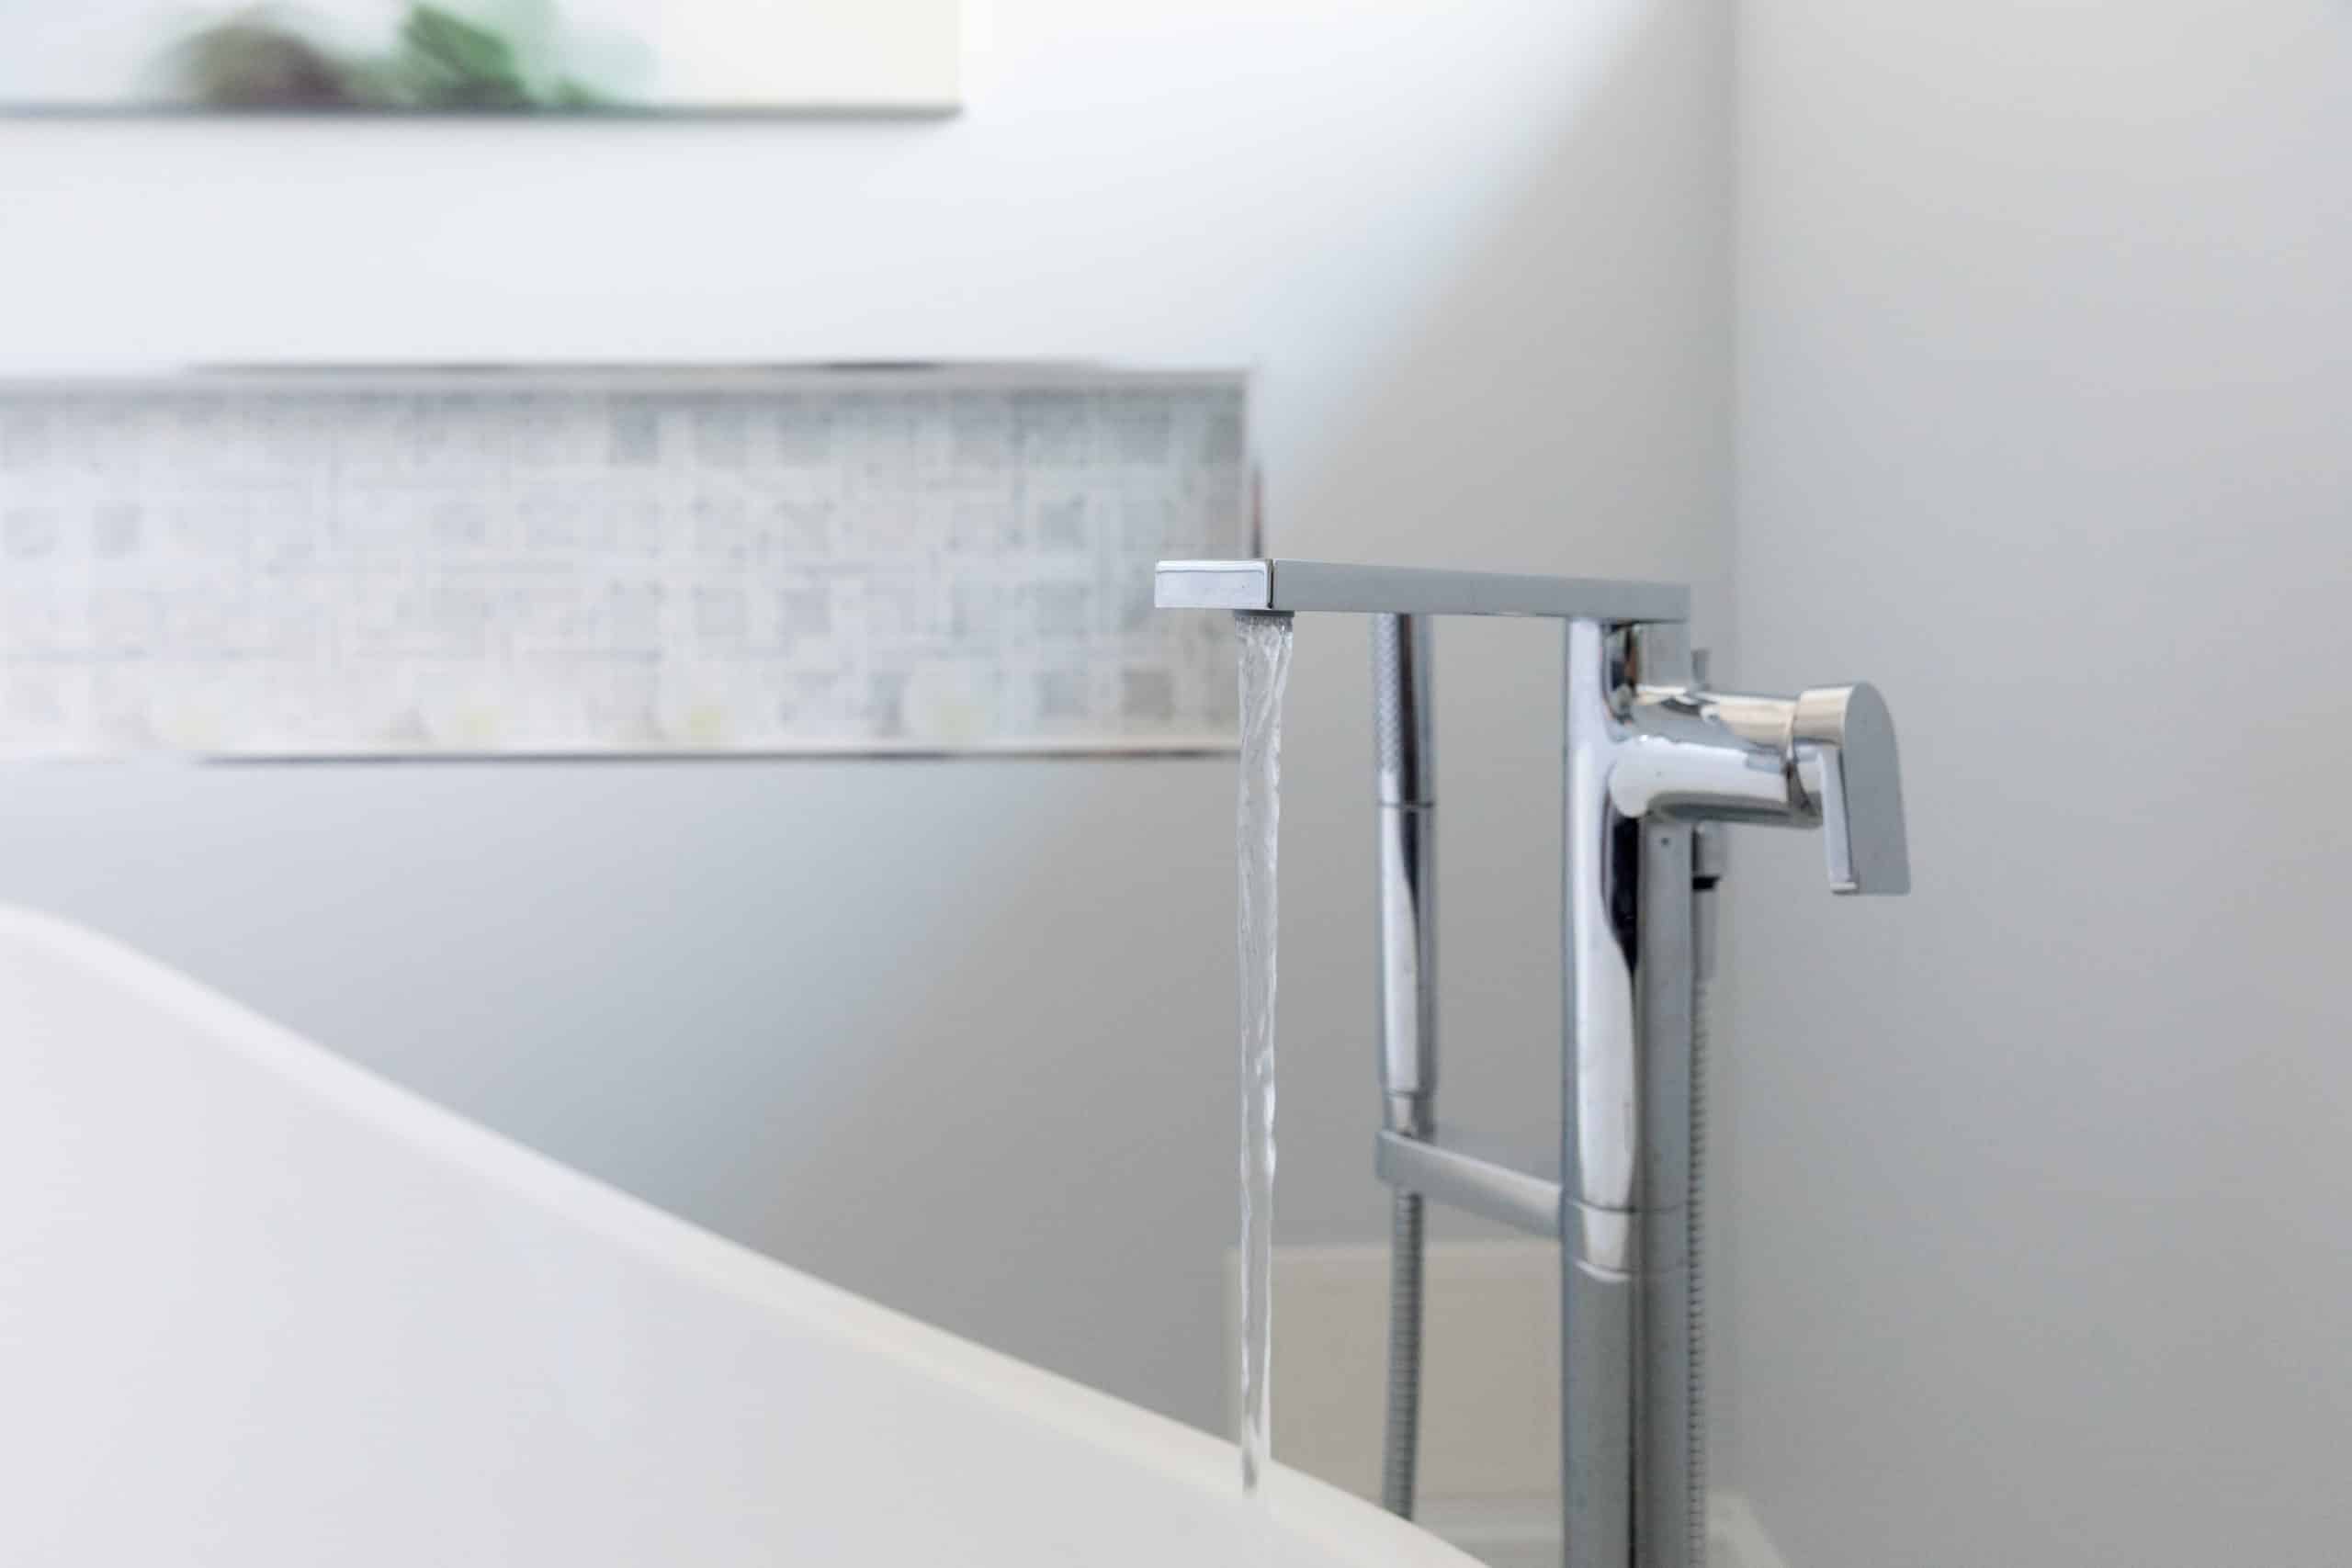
259	1307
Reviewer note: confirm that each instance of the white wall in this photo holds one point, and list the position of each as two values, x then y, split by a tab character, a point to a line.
2040	1202
956	1035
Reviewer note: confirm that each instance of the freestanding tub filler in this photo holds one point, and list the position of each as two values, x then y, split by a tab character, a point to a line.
1656	759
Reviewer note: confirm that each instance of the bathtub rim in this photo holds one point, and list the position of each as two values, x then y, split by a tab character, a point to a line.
1315	1511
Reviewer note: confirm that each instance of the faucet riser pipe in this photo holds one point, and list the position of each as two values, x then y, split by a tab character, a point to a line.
1625	1128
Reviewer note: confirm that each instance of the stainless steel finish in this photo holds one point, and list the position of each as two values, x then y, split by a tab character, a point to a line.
1826	758
1307	585
1490	1188
1695	1229
1405	773
1400	1438
1707	866
1405	781
1625	1119
1842	739
1214	585
1654	759
1708	863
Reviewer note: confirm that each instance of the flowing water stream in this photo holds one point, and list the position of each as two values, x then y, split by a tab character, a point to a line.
1265	669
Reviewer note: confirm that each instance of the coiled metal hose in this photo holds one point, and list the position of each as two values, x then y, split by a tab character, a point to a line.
1696	1268
1401	1446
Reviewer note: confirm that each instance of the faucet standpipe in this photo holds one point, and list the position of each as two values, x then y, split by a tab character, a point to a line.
1654	759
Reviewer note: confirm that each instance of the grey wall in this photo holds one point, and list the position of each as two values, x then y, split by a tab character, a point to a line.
2045	381
956	1035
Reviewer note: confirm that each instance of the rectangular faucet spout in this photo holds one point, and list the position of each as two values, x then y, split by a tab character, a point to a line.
1292	586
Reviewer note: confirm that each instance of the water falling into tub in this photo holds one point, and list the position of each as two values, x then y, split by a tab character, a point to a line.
1265	669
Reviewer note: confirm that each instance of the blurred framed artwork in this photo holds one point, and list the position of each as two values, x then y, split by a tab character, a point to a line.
524	57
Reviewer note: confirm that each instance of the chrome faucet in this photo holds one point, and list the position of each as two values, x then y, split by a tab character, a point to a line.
1655	759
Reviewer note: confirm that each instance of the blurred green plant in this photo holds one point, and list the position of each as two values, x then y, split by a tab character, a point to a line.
439	60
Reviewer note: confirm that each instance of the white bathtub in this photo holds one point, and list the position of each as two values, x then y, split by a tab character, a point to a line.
260	1308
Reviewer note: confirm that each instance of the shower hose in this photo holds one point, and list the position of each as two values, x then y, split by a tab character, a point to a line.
1401	1447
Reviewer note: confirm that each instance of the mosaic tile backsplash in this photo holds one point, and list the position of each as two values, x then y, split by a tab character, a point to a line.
800	561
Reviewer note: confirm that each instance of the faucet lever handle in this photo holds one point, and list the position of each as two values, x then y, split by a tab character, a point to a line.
1842	743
